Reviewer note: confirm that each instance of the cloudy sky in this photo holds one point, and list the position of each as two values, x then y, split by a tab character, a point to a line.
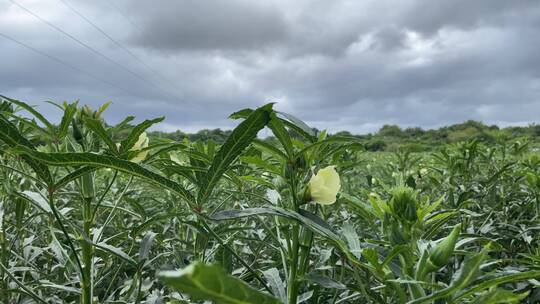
341	65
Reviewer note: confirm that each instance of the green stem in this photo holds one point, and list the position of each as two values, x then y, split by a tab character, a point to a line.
98	204
87	254
305	250
4	293
293	284
139	286
306	244
66	234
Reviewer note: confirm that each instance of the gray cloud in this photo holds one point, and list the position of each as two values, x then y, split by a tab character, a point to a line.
219	25
352	65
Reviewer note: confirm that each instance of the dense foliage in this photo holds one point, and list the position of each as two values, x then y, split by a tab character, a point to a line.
92	213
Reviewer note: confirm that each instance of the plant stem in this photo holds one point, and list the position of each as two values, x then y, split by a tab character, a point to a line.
293	284
4	293
66	234
98	204
87	254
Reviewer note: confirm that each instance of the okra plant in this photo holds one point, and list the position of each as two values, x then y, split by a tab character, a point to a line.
99	213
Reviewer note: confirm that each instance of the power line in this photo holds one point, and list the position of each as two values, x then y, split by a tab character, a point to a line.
116	42
134	24
65	63
93	50
111	3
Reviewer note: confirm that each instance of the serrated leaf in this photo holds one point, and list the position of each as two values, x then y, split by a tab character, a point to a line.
73	176
63	128
103	161
309	220
501	296
133	137
309	223
352	240
501	279
13	138
146	244
239	139
325	282
97	127
276	283
299	126
276	125
32	111
466	274
36	199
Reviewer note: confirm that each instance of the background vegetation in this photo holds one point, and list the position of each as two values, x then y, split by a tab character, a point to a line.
393	138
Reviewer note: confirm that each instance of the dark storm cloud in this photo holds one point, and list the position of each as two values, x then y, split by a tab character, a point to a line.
352	65
194	24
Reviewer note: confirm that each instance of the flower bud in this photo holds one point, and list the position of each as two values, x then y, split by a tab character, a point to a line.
403	203
442	252
324	186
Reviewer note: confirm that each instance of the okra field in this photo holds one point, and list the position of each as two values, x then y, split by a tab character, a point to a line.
99	213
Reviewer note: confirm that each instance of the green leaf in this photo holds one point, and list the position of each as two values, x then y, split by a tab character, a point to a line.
502	279
276	125
241	114
261	163
268	148
239	139
122	124
334	139
209	282
466	274
103	161
11	136
275	211
276	283
97	127
114	250
364	210
37	199
73	176
146	244
133	137
63	128
501	296
299	126
107	248
309	220
32	111
349	232
325	282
